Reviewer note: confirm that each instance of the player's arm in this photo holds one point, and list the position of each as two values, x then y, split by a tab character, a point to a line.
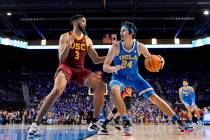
113	50
64	43
93	54
193	91
180	94
145	52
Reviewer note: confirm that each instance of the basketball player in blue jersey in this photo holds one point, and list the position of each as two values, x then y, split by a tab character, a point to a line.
187	97
125	54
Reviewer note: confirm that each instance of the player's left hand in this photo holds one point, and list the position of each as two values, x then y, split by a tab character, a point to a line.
162	61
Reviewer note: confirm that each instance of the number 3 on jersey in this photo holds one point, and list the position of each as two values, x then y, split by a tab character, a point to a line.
126	64
76	55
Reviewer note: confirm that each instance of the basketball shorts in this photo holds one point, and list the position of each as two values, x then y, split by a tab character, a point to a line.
78	75
135	81
190	101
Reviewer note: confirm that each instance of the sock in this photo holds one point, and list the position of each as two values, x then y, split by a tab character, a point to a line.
175	118
94	120
117	120
125	117
106	122
126	120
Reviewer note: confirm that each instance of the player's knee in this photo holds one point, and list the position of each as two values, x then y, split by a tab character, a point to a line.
100	85
115	90
58	90
188	108
114	110
148	94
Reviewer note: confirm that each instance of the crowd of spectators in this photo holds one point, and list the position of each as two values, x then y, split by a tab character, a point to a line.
75	104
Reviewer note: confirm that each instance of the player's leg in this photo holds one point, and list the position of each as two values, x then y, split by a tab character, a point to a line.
48	102
195	108
109	117
59	85
99	90
127	102
145	88
116	88
147	91
189	104
162	105
189	112
111	114
197	113
118	101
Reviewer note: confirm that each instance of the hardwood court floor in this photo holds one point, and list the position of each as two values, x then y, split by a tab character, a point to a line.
157	132
141	132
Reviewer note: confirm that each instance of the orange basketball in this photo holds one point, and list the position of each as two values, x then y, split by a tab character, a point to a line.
153	64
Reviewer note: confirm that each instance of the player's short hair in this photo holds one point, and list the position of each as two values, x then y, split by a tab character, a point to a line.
76	17
131	27
185	80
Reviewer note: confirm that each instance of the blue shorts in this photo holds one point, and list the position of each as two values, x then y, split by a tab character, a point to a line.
135	81
190	101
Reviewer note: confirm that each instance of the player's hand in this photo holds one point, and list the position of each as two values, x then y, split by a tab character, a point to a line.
162	61
116	68
69	40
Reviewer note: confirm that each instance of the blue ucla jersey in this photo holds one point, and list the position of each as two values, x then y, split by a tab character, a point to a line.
129	74
188	97
187	93
128	59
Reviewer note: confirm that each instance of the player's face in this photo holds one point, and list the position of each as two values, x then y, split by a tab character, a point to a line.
185	83
124	34
81	23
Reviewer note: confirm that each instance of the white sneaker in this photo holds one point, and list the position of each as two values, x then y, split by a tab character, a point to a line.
192	125
94	127
33	130
185	127
128	130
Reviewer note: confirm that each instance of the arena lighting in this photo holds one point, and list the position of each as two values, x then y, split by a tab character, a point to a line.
14	43
9	13
201	42
154	41
43	42
108	46
206	12
5	41
176	41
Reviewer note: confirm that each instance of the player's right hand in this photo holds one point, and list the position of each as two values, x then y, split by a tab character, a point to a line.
116	68
162	61
70	40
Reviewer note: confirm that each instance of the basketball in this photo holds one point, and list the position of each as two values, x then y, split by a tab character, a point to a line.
153	64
